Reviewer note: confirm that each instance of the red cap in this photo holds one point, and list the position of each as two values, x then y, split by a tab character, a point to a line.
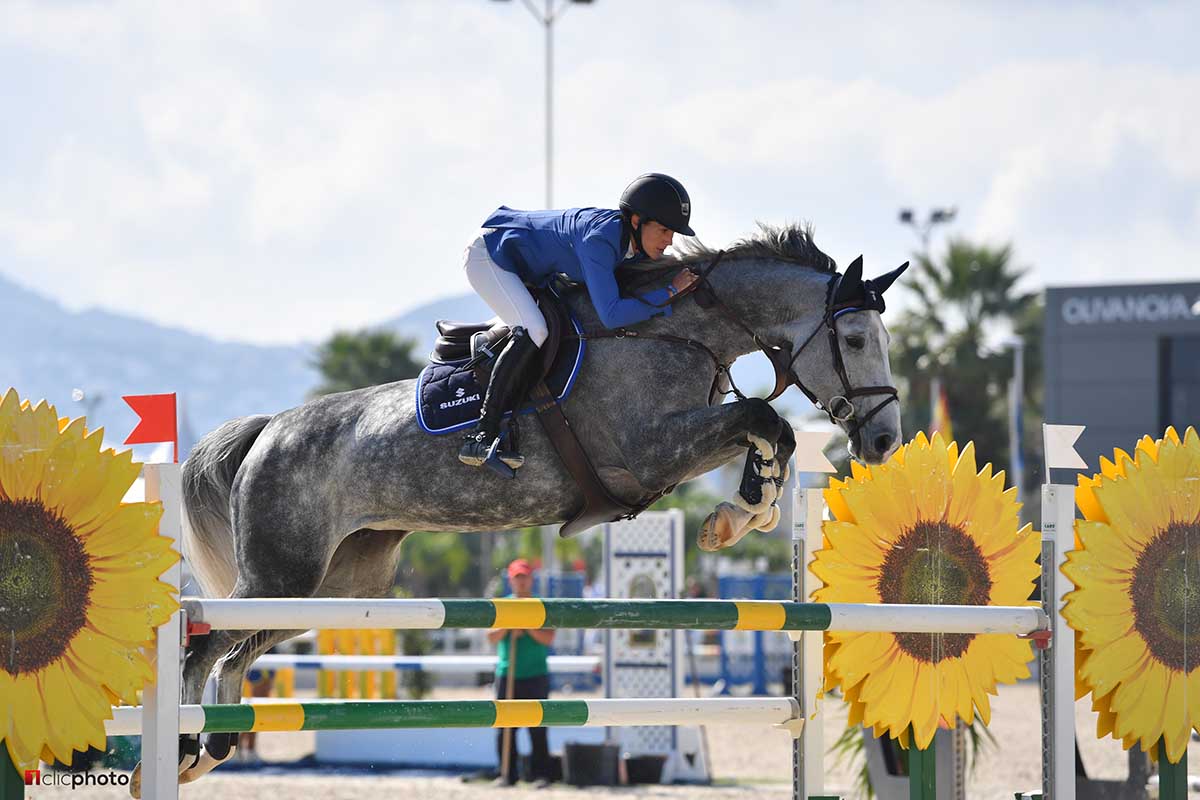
519	566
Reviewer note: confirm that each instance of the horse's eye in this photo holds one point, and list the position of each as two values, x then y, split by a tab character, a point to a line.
856	342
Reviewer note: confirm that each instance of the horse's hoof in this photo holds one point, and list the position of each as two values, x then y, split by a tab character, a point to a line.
205	765
767	521
723	528
709	539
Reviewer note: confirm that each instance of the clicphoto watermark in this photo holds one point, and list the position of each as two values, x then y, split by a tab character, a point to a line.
35	777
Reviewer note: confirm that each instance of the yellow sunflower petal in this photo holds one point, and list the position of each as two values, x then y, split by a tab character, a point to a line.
29	732
86	691
860	655
932	493
1175	727
886	704
68	728
1193	689
1106	720
965	487
25	450
1085	498
886	521
1146	719
925	705
1105	543
856	544
835	501
120	473
124	527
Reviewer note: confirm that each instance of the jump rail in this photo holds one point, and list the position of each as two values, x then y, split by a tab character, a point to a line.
368	714
748	615
440	664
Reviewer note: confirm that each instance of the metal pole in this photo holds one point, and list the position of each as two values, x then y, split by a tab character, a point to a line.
549	23
1016	400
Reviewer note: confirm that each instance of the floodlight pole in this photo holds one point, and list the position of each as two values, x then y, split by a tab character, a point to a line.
937	216
553	10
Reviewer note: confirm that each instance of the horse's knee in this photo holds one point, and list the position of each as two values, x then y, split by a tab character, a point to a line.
785	446
762	420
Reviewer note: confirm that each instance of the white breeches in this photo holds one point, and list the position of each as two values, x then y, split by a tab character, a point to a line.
503	291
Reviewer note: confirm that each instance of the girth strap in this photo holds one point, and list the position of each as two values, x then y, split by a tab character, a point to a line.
599	505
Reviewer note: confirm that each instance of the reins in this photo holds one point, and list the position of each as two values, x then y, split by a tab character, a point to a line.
782	358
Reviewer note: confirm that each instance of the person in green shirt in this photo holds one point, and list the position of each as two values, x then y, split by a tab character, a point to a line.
531	678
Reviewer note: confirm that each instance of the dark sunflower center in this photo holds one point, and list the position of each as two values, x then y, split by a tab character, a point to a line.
45	582
935	563
1166	596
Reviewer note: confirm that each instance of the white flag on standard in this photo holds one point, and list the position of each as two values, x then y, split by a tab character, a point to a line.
810	451
1060	446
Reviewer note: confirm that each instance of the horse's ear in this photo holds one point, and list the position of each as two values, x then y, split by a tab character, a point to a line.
850	287
884	281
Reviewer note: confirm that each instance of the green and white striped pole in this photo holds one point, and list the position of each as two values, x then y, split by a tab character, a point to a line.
747	615
391	714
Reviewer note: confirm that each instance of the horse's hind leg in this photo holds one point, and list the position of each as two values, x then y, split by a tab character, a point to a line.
268	566
231	671
363	565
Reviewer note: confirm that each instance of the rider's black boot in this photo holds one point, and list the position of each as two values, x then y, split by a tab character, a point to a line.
509	376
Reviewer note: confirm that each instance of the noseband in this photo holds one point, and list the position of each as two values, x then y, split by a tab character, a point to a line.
840	408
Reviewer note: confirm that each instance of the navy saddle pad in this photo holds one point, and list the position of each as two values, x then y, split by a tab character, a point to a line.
450	398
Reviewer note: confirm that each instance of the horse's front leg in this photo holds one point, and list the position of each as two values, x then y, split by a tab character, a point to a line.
690	443
685	444
766	470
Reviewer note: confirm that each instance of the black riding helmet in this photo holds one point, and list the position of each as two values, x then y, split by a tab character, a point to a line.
660	198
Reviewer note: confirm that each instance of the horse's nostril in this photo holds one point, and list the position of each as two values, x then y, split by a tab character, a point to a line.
883	442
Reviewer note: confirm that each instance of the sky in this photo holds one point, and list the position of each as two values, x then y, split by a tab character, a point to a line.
275	171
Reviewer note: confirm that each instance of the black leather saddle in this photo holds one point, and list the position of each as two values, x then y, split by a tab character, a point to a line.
479	341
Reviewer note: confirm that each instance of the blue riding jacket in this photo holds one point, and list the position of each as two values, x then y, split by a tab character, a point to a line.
585	244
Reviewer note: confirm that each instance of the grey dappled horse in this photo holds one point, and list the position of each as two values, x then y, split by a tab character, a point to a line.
316	500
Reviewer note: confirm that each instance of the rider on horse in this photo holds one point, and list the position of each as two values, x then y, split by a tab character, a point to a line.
517	249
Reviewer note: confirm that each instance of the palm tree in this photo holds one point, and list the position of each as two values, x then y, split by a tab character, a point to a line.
967	305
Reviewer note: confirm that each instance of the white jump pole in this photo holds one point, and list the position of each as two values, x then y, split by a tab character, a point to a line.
808	751
1057	674
442	665
275	613
160	710
602	713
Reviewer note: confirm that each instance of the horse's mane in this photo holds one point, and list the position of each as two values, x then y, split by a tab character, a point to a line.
792	243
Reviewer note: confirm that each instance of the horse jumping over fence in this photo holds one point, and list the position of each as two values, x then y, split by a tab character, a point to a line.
316	500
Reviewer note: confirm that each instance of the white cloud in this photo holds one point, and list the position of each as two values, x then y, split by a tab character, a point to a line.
275	170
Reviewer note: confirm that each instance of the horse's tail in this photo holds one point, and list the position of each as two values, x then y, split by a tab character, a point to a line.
208	476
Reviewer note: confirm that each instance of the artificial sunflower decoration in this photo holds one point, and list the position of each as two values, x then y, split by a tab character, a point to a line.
1136	607
79	587
925	528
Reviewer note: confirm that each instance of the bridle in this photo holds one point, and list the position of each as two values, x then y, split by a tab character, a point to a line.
840	408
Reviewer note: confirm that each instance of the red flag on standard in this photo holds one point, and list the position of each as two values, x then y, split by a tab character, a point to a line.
156	423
